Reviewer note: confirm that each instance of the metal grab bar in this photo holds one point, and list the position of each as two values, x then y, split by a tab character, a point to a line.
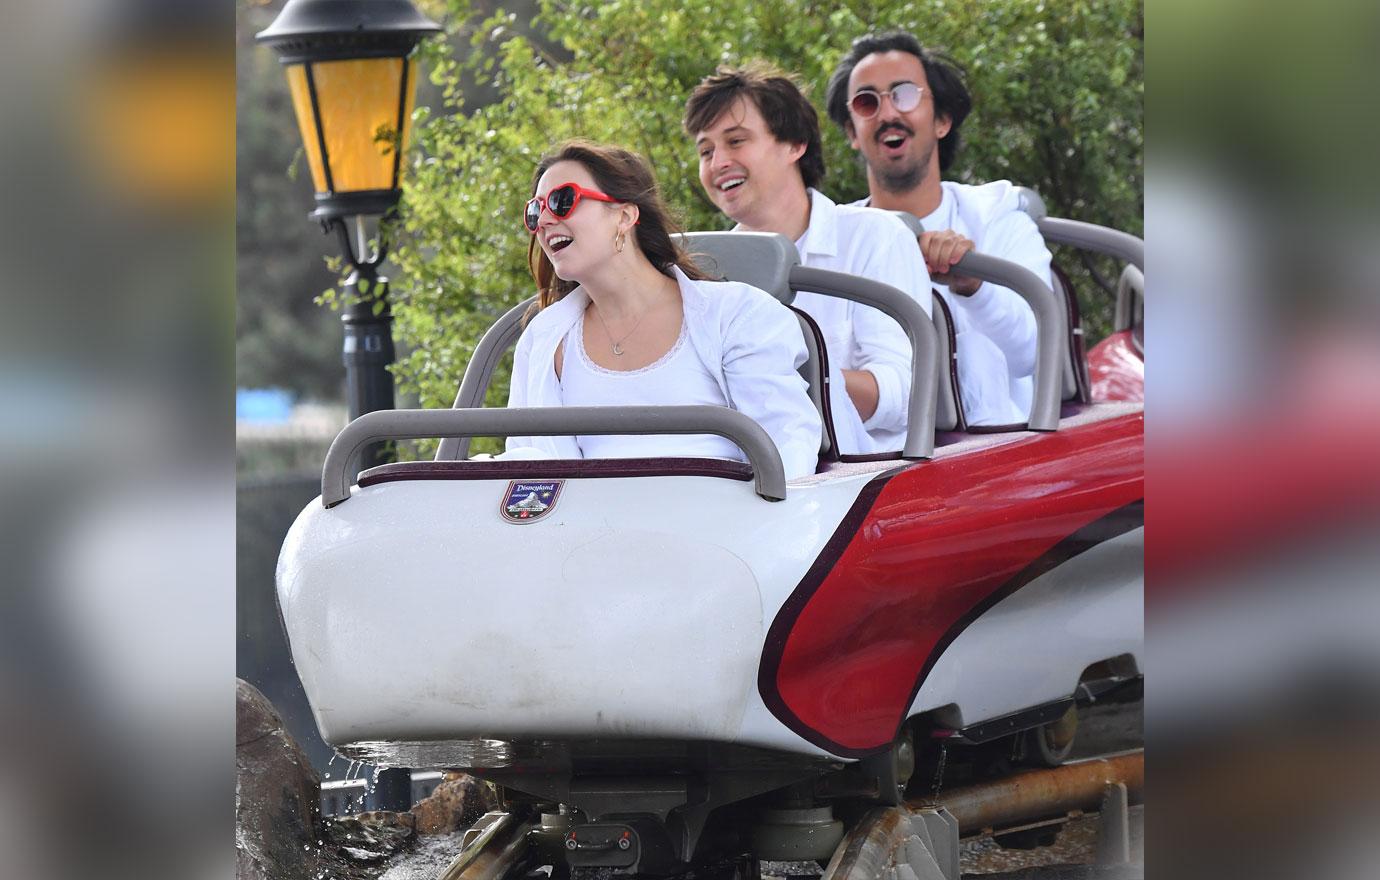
1087	236
769	474
492	346
909	314
1051	325
919	328
1091	237
1051	329
1129	288
769	261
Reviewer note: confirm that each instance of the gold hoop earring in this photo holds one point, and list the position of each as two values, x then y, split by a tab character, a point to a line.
619	241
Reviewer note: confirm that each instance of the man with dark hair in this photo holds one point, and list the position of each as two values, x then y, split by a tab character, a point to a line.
901	106
758	140
759	146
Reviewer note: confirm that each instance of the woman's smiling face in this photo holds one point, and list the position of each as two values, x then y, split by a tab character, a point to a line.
584	239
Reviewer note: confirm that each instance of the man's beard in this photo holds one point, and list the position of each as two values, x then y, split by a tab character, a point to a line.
902	179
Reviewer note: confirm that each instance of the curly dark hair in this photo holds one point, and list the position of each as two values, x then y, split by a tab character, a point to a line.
789	116
946	84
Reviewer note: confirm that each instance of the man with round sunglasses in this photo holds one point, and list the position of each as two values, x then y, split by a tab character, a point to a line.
901	107
758	141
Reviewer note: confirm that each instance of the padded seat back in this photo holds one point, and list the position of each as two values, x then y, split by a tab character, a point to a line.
949	414
1075	383
765	260
816	366
762	259
769	261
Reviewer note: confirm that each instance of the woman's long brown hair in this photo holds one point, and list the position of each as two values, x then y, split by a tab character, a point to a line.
627	177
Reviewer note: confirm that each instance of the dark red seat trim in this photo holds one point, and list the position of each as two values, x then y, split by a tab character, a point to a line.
593	468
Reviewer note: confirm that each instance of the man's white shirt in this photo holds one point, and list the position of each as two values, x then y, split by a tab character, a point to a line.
874	245
877	245
990	215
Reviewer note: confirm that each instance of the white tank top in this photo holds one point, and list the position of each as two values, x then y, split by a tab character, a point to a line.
677	378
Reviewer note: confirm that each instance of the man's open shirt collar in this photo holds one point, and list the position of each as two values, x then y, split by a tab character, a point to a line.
821	236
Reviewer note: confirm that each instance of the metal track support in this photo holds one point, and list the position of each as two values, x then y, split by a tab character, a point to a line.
1114	827
898	843
492	848
1042	794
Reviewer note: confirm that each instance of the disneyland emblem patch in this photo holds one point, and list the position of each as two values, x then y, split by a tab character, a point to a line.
528	500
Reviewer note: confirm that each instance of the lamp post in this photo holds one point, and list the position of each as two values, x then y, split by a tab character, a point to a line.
352	75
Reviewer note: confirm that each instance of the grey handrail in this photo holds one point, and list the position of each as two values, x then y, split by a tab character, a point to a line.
924	390
1091	237
919	328
1129	287
1031	203
492	346
1051	330
1088	236
1051	326
769	474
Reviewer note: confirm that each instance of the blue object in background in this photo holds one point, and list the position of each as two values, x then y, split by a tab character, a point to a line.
263	405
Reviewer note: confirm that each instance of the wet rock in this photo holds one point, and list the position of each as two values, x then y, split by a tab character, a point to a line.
277	794
426	859
355	854
456	803
404	823
380	833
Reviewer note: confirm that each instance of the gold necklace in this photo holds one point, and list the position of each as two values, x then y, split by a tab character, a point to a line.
617	345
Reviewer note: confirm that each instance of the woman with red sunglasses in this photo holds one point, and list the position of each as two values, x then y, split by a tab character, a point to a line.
624	318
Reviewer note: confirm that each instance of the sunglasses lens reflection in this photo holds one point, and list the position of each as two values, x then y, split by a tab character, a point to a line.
532	214
906	97
865	104
561	200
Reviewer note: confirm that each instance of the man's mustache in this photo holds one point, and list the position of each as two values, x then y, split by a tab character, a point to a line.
891	126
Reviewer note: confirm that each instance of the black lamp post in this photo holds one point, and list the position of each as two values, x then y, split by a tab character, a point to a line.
353	79
352	76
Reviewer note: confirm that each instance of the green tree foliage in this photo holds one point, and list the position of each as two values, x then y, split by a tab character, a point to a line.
1057	90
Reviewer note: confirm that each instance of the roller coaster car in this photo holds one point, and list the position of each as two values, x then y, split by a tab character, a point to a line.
646	641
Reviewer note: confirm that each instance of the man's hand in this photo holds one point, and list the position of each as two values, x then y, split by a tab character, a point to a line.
941	250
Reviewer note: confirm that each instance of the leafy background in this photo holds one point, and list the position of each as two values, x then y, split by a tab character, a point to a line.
1058	107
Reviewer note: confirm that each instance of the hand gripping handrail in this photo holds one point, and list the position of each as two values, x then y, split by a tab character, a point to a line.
492	346
1051	325
919	328
769	474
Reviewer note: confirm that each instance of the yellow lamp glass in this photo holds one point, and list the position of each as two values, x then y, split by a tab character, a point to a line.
161	126
358	104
